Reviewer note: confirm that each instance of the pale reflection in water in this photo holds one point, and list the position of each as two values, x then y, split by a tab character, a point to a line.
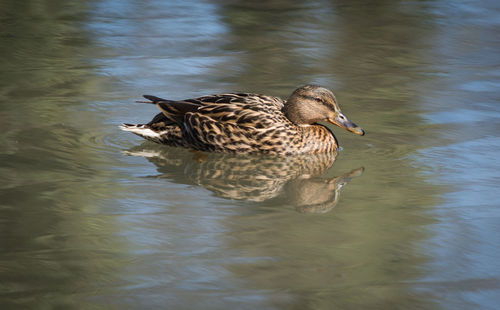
295	180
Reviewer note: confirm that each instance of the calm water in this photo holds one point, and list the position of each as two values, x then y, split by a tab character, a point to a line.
406	217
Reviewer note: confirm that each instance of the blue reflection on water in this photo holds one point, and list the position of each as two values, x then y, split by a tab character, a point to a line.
465	246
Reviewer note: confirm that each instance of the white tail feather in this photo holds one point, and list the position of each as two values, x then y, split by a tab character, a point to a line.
141	130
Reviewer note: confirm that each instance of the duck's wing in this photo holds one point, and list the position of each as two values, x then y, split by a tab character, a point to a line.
244	115
173	112
243	98
237	127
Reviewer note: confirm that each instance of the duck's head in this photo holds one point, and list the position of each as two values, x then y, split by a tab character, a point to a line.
311	104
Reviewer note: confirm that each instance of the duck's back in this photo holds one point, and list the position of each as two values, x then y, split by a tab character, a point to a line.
237	124
244	109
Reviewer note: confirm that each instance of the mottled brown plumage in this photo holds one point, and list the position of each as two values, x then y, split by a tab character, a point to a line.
249	123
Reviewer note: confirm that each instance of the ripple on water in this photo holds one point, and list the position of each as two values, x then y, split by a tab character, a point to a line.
388	149
109	140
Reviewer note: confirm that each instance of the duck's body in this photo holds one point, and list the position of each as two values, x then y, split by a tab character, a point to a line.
248	123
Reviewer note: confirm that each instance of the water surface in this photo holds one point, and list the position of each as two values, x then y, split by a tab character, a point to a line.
406	217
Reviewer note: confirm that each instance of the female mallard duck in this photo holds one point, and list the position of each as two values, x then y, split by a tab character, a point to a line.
249	123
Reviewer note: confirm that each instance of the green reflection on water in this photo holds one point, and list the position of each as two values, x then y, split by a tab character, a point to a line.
55	248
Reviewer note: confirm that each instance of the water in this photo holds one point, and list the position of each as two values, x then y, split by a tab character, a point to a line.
406	217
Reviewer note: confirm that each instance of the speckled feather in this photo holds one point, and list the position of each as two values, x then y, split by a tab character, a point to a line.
233	123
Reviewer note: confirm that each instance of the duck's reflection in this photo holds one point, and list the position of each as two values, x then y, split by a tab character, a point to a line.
297	180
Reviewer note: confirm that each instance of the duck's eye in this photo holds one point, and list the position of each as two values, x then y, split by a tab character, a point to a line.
318	99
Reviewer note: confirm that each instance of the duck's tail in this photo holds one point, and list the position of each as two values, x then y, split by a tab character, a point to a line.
143	130
159	133
152	99
147	131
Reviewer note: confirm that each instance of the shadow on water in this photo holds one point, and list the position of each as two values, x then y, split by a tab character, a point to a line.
292	180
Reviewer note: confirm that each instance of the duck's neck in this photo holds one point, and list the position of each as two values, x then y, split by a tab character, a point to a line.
293	111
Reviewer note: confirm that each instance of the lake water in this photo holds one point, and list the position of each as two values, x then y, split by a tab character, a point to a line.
406	217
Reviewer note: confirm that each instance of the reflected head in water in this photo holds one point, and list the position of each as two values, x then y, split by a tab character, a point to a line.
318	195
298	180
246	123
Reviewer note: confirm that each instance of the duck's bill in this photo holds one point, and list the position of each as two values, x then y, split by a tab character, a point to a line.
343	122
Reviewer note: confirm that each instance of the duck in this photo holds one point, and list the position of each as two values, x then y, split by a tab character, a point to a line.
248	123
